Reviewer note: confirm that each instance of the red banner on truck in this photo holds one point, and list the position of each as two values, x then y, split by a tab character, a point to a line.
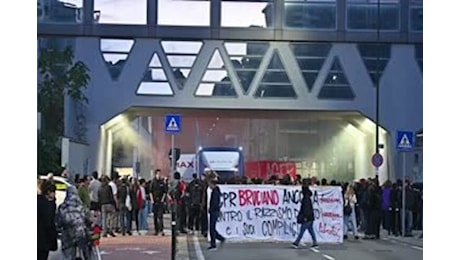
265	169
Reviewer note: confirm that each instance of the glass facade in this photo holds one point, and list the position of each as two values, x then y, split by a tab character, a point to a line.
416	16
122	11
375	58
246	59
184	13
54	11
257	13
419	56
155	81
181	56
215	81
310	14
336	85
310	57
313	15
115	52
365	16
275	82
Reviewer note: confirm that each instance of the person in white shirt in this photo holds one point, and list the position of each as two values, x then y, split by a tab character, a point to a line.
95	205
94	187
114	187
349	214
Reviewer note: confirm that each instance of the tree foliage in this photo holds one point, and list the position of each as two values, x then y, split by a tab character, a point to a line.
60	76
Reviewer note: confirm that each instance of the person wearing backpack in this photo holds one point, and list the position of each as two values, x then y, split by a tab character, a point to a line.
176	193
195	188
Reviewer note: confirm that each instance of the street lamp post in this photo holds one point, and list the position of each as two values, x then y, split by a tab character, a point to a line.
377	86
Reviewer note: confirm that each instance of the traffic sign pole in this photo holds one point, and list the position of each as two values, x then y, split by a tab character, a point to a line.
403	211
173	125
173	211
404	144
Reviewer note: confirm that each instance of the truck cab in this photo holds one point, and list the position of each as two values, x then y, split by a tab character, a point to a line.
225	161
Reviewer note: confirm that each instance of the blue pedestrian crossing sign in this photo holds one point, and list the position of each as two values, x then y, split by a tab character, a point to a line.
405	141
173	124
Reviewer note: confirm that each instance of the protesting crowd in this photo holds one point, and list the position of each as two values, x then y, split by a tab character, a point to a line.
113	203
368	206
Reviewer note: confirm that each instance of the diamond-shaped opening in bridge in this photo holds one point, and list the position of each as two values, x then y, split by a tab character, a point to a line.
155	81
246	59
181	56
375	58
115	53
275	83
336	84
215	81
310	57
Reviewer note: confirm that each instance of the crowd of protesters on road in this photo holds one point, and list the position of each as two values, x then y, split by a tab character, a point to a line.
115	202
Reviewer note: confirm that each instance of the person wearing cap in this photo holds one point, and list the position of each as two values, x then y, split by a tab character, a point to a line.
46	227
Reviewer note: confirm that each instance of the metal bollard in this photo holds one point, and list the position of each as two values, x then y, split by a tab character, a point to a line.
173	236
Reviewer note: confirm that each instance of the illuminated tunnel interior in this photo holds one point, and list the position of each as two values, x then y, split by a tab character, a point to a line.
332	145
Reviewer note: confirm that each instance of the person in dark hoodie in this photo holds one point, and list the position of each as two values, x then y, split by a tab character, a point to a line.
396	205
208	175
386	206
125	202
409	206
306	217
107	201
214	211
46	227
195	188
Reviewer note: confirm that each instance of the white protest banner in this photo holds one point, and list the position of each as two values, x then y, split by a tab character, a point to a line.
269	213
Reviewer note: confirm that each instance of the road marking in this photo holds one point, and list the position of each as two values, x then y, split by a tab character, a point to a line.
150	252
385	238
328	257
196	245
417	247
314	250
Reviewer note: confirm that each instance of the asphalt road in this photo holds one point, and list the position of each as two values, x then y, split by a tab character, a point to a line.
384	249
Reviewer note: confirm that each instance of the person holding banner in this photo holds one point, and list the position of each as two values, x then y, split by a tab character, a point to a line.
214	212
306	217
349	213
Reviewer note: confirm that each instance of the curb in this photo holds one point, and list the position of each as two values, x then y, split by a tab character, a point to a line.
412	242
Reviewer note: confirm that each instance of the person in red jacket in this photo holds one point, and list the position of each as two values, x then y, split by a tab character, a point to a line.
176	193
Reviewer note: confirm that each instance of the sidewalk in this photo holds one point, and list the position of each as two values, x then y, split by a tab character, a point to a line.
140	247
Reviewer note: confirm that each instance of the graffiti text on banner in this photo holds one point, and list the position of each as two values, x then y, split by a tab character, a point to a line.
269	213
